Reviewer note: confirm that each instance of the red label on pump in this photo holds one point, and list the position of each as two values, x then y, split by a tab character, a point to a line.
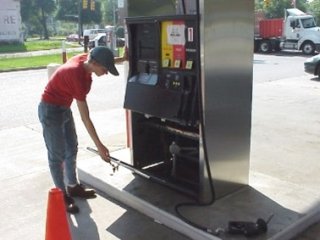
179	50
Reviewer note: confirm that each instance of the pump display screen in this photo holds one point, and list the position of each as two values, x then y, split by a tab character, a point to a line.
146	43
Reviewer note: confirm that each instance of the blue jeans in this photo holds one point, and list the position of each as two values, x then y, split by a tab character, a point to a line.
61	141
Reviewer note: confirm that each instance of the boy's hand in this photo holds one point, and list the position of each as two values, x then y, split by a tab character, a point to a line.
104	153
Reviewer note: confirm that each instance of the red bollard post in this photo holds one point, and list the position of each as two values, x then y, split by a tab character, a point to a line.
64	53
85	43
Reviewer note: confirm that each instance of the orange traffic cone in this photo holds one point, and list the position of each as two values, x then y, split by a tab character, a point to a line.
57	226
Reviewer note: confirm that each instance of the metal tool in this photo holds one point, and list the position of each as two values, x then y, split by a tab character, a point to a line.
134	170
115	167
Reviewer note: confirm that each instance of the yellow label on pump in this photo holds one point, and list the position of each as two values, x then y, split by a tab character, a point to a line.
166	48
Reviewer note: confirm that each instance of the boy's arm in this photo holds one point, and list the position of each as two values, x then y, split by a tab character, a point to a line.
85	117
123	58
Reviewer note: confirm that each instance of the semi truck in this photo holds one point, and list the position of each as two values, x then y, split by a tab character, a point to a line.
296	31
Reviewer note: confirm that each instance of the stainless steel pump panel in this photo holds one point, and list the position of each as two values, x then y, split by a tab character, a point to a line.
189	93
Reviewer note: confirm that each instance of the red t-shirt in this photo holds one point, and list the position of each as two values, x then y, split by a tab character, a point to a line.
70	81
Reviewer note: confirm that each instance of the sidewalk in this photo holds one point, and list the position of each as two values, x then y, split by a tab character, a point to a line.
26	181
283	178
283	172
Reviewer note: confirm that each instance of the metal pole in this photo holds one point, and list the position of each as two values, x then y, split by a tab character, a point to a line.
114	12
79	21
64	53
294	4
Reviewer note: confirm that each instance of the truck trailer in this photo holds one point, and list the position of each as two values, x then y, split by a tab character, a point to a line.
296	31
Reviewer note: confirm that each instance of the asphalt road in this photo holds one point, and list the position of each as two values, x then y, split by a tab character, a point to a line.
277	66
20	91
20	94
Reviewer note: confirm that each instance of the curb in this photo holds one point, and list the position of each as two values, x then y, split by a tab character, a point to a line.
22	69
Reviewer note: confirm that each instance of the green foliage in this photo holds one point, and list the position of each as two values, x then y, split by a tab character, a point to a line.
26	10
95	16
66	28
36	12
68	10
276	7
12	47
33	45
120	32
314	8
72	11
108	7
20	63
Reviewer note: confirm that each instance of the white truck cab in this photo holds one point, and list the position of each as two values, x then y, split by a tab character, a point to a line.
295	31
300	32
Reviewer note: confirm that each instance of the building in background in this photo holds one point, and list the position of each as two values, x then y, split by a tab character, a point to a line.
10	21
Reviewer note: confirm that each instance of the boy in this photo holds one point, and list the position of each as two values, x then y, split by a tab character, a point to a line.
72	80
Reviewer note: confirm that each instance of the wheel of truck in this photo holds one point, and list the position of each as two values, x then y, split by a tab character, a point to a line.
255	47
277	47
308	48
317	72
265	46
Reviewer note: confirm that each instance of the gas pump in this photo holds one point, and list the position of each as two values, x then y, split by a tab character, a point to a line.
162	93
189	92
189	96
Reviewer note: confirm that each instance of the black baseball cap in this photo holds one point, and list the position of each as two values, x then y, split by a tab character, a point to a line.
105	57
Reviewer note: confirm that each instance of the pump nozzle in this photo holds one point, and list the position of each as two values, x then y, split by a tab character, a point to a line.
249	229
174	148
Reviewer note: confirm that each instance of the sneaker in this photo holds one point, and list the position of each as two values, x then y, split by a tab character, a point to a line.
70	205
80	191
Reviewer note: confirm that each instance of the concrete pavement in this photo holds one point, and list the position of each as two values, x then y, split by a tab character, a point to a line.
283	174
25	178
283	171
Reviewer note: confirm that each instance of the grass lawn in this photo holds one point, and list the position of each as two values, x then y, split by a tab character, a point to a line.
12	63
35	45
20	63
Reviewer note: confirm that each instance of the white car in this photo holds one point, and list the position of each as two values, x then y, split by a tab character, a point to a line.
99	40
312	65
92	33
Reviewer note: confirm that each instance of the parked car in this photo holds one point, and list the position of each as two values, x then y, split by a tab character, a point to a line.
73	38
92	33
312	65
101	40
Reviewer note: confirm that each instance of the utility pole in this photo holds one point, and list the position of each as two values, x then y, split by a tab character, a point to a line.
80	20
114	12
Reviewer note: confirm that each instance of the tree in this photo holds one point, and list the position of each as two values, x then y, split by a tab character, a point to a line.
275	8
68	10
71	10
109	16
36	13
314	9
46	7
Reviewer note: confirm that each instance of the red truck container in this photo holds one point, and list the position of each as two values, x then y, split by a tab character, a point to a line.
271	28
